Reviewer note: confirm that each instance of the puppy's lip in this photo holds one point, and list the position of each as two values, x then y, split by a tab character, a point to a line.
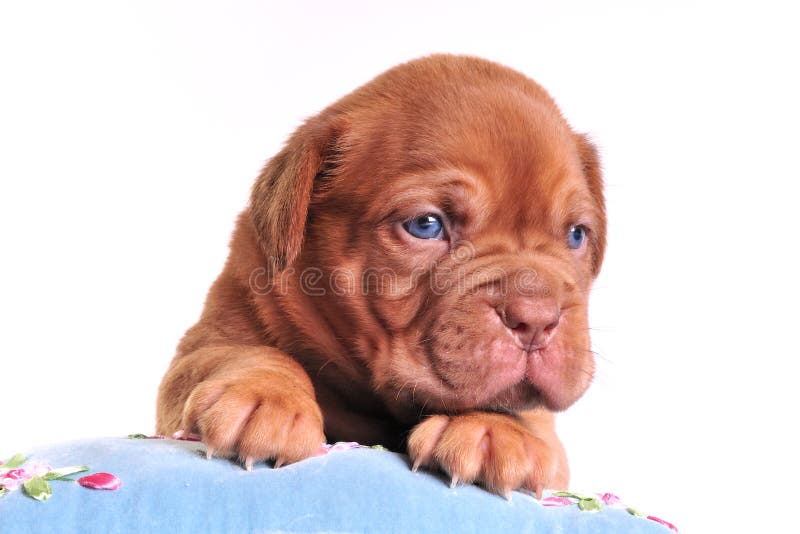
507	377
544	371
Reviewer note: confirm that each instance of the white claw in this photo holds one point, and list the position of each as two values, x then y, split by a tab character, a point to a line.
278	463
454	481
248	463
209	453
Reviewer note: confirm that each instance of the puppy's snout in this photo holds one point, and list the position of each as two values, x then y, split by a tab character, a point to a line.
532	321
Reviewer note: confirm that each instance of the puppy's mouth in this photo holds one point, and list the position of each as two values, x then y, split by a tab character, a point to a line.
497	373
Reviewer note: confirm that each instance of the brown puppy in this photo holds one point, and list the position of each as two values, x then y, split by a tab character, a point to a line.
412	270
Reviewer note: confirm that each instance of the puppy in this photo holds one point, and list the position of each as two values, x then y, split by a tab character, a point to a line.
412	270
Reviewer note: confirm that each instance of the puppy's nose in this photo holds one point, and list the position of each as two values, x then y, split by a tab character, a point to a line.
532	321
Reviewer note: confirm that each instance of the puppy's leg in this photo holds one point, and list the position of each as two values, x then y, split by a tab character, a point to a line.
256	402
500	452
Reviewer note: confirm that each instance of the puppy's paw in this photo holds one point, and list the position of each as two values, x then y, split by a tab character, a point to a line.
493	450
258	415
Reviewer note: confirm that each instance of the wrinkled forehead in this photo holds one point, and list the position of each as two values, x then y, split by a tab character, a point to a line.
514	155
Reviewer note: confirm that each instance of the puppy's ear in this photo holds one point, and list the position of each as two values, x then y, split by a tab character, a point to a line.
594	177
281	194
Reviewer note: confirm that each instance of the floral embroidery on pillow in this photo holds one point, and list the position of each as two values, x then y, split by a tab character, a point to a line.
34	477
594	503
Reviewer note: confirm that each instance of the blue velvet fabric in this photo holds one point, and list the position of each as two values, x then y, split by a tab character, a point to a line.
169	486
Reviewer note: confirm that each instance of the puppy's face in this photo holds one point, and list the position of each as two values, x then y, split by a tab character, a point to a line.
455	223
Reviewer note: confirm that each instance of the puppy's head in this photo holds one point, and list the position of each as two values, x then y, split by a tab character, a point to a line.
454	223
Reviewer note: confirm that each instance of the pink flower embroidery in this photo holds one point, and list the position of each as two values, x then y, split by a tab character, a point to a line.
17	474
555	501
180	435
104	481
325	448
609	499
37	469
665	523
12	480
343	446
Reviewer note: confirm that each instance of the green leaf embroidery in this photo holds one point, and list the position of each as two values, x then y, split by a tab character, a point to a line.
2	491
38	488
14	462
379	448
61	472
589	505
572	495
634	511
137	436
565	494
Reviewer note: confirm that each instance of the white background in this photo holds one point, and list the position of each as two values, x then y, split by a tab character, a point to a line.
130	134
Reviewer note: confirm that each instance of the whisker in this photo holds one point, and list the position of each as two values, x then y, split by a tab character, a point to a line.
321	367
424	404
400	390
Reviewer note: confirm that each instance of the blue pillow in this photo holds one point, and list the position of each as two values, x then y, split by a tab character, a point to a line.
169	486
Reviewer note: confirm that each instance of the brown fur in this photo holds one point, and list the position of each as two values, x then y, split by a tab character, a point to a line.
329	317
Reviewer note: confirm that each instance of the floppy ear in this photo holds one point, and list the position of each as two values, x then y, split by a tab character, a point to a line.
281	194
594	177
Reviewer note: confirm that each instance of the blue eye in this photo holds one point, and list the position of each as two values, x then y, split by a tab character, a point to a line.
425	227
576	236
